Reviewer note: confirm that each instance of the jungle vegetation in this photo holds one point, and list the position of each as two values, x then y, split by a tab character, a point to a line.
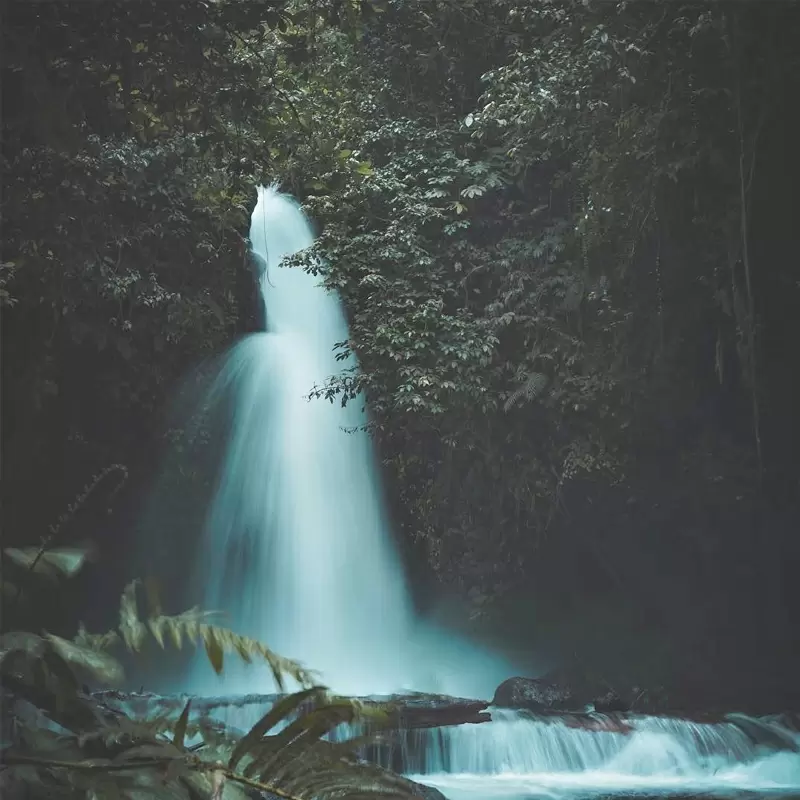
564	238
62	739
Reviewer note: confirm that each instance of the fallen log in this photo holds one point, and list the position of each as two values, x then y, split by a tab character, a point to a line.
404	712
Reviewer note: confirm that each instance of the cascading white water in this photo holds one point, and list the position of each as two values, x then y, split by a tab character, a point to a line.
517	755
297	551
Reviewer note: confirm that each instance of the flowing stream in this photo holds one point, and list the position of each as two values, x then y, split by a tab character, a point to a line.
297	552
519	756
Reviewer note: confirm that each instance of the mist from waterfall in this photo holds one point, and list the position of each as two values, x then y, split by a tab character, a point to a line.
297	549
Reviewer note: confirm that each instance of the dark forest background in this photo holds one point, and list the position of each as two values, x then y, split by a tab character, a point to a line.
566	235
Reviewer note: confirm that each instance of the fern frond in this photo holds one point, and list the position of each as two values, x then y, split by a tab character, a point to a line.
131	627
95	641
283	709
106	753
192	625
302	763
187	625
276	753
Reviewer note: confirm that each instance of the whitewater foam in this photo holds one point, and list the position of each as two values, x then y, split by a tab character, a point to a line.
521	756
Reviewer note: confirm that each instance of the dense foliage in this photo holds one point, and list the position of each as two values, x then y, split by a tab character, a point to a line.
60	739
562	232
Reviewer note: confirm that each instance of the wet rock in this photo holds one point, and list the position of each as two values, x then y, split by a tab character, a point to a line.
610	702
557	692
598	724
426	792
534	694
654	700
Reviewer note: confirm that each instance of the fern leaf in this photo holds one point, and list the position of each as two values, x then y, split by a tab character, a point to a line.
153	597
214	649
177	626
279	751
130	626
244	646
180	727
192	625
100	664
95	641
279	712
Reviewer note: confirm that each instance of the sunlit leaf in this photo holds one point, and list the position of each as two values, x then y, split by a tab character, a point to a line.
57	562
100	664
180	726
214	651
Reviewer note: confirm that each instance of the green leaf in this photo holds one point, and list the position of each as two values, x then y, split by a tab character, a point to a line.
214	651
132	629
473	191
282	709
101	665
296	740
180	726
62	562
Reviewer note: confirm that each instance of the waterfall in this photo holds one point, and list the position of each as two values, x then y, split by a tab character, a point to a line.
521	756
297	550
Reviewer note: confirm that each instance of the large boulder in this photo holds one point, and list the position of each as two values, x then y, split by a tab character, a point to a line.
557	693
534	694
610	702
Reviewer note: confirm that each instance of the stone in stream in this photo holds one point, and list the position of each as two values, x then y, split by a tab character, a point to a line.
535	694
555	693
